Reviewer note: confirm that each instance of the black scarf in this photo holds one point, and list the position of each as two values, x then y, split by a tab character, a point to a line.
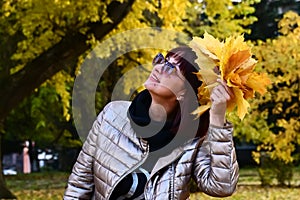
138	114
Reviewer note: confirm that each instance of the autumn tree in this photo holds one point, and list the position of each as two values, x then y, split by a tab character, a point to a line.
280	57
273	123
221	18
269	13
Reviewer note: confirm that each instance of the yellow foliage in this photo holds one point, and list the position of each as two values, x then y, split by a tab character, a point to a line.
60	81
230	61
223	17
280	57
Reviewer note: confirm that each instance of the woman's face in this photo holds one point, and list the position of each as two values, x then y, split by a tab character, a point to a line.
165	80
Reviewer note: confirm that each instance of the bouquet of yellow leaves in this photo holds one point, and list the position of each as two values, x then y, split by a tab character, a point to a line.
231	61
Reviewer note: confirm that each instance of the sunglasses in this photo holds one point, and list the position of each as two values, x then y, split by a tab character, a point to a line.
167	68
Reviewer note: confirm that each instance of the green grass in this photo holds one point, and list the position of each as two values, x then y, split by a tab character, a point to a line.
38	186
255	192
51	186
249	188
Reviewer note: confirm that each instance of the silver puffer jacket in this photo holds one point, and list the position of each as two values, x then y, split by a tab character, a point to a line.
112	151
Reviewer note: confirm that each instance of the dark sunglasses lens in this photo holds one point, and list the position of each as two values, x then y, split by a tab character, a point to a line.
158	59
168	68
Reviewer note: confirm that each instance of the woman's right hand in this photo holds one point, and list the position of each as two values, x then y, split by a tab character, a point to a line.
219	97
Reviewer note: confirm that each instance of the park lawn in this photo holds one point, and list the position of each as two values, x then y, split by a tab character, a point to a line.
254	192
38	186
249	188
51	186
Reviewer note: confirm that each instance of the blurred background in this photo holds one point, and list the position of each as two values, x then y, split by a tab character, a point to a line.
43	44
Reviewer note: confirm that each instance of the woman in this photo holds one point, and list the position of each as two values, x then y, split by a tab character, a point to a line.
26	158
112	160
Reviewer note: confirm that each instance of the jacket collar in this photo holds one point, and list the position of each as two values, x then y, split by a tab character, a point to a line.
157	134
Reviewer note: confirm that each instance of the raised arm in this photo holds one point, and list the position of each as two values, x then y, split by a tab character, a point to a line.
216	168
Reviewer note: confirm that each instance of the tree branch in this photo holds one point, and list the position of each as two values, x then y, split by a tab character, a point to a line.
60	56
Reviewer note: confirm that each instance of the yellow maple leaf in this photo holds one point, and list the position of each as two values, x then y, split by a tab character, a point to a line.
235	65
201	109
208	76
258	82
241	103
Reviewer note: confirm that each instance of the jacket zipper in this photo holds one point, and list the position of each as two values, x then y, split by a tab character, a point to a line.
172	188
173	181
130	171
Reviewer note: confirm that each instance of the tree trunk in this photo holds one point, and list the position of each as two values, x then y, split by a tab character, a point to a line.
4	192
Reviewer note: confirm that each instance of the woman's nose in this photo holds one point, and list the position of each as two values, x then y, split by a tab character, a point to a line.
158	68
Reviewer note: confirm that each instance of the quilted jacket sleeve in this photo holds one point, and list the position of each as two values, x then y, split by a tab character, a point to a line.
216	168
81	181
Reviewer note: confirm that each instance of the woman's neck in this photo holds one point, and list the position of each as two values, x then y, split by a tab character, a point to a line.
161	110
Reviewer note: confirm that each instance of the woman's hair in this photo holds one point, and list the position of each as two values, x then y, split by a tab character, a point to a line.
186	57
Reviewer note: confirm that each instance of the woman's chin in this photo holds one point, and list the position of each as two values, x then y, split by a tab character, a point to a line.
159	90
150	85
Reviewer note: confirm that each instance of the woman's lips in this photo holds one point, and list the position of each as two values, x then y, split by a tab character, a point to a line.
154	78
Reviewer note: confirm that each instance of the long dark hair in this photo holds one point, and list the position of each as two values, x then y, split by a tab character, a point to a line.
186	61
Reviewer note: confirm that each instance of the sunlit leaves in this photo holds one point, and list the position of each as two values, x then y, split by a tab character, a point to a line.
221	18
62	82
43	23
287	26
